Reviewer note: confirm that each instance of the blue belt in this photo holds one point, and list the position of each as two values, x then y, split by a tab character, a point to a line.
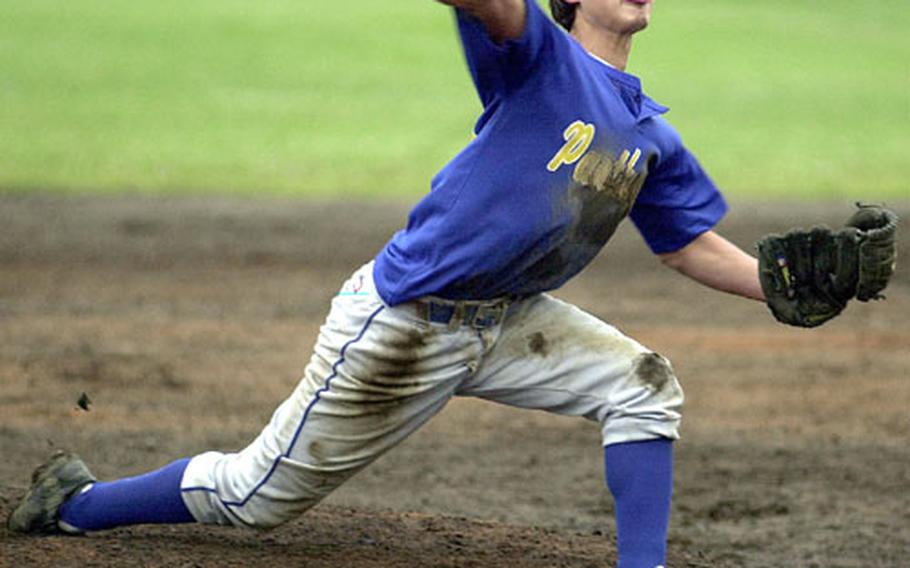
454	313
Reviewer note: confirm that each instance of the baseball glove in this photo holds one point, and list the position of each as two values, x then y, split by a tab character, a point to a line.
877	250
808	276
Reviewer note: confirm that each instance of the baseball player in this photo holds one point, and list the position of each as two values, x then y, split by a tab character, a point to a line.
456	303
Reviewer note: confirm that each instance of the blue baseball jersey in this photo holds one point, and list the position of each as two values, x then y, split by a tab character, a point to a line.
565	149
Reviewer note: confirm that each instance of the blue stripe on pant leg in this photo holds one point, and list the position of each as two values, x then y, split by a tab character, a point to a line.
306	414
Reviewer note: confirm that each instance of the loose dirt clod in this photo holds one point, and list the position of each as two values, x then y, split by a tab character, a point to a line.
84	402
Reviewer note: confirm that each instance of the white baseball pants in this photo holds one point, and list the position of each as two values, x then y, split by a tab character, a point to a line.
378	373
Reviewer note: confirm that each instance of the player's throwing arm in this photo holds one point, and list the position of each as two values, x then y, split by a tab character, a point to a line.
504	19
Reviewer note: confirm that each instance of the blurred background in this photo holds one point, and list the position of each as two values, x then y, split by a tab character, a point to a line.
368	98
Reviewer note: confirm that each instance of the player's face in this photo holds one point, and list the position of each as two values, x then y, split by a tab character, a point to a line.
618	16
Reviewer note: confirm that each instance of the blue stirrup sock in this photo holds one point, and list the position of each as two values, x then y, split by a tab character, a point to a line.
152	498
640	477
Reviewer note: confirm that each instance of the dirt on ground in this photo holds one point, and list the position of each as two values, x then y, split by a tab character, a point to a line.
186	320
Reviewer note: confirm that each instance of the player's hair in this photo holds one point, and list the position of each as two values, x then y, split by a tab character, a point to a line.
563	13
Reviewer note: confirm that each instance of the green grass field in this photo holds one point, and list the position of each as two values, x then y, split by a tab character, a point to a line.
783	99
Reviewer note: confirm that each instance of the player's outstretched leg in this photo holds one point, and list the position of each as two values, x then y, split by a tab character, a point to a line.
376	375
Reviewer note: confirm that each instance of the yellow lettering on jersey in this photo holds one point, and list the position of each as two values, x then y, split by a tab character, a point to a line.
578	137
630	161
615	178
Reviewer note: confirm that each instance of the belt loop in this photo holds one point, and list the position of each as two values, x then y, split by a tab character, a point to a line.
489	314
457	317
423	310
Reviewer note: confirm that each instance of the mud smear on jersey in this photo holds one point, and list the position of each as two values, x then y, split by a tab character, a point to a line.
597	200
596	214
599	215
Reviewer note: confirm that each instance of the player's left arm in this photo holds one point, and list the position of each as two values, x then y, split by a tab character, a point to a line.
714	261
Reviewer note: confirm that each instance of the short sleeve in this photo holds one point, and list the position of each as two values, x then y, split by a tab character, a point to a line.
677	203
497	68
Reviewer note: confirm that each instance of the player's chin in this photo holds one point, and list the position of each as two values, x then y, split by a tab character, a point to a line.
635	25
636	19
639	25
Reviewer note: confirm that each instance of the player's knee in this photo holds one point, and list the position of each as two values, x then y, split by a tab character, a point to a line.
654	371
659	394
646	404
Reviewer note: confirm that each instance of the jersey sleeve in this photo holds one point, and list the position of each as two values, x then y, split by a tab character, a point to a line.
677	203
498	68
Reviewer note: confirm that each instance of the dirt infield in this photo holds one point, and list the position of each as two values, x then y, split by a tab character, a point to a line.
187	320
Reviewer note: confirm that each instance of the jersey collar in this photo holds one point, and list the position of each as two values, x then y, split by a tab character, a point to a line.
639	104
